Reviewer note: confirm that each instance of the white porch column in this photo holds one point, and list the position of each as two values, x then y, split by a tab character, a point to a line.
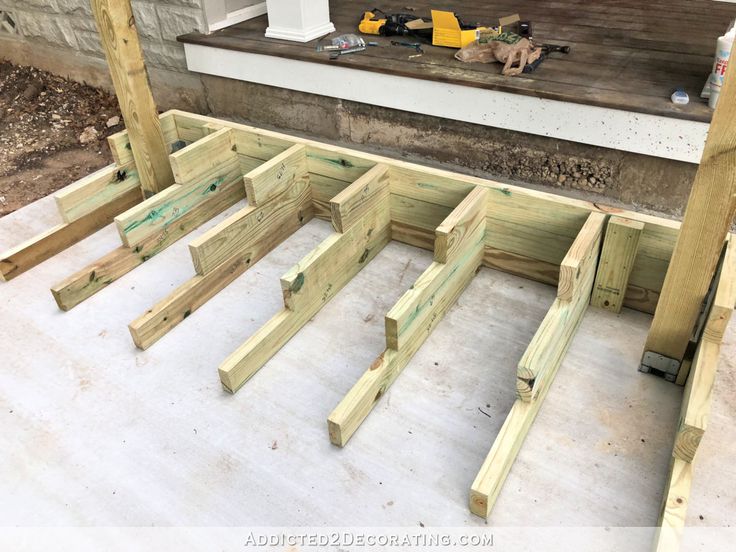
298	20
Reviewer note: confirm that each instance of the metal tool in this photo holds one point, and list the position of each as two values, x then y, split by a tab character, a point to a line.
415	45
547	49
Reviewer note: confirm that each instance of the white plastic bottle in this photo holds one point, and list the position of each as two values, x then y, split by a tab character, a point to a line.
723	52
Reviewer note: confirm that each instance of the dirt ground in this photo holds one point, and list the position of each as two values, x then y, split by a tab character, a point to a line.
46	136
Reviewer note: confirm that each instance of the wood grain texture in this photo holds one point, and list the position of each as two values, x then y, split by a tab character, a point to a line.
119	38
674	506
361	197
95	190
580	258
611	47
251	228
464	220
307	287
202	170
617	260
412	319
725	297
537	370
31	253
536	226
554	335
268	226
696	401
122	152
98	275
708	216
275	175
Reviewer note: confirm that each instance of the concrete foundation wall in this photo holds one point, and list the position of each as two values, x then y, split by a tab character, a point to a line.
60	36
595	173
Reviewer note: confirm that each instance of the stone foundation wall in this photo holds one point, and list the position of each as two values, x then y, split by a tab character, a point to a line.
69	24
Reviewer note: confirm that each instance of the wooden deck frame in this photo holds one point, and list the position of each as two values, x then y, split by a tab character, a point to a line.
540	236
458	255
540	362
88	204
362	221
695	410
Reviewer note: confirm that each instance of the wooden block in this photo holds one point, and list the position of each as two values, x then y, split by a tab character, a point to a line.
674	507
310	285
696	401
202	171
362	196
581	257
709	214
417	312
253	228
329	266
337	163
432	295
278	222
44	246
122	260
617	260
554	335
725	296
324	189
276	175
464	220
119	142
95	190
120	42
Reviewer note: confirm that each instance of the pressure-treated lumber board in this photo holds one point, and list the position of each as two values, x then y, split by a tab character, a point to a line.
464	220
272	178
535	227
119	38
553	337
696	400
201	170
349	206
95	190
122	152
674	506
580	258
246	229
306	288
541	361
44	246
617	260
246	237
91	279
725	296
708	216
417	313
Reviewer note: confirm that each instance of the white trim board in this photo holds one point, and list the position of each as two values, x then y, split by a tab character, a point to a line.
652	135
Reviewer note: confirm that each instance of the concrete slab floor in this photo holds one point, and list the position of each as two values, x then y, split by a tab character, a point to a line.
97	433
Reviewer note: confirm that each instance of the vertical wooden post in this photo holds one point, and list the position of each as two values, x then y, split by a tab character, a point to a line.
120	42
708	217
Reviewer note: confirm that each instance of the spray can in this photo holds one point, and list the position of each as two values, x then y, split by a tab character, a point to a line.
723	52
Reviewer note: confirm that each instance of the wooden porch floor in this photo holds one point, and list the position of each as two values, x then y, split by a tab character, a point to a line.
625	54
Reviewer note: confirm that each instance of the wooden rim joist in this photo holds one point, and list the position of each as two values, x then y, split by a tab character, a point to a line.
594	255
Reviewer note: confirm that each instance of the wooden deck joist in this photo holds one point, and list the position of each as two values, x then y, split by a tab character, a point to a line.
458	255
363	209
202	191
279	204
695	410
540	363
529	231
88	204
